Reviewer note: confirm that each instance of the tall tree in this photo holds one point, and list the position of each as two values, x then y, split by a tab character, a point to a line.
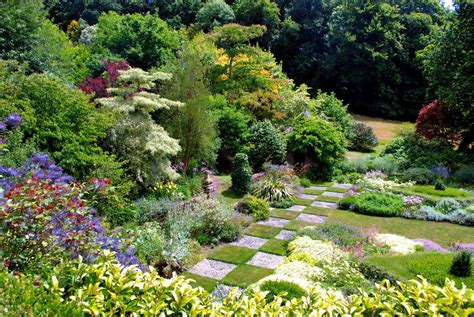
137	138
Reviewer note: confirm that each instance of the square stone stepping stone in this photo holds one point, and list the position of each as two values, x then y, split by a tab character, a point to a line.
296	208
213	269
317	187
311	218
333	194
323	204
249	242
342	186
285	235
274	222
266	260
306	196
221	291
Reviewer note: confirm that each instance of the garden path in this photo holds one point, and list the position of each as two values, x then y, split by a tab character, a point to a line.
262	246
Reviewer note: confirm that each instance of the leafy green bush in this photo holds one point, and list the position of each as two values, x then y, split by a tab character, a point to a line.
305	182
361	164
317	141
439	185
447	205
378	204
375	273
149	243
277	288
266	144
364	138
461	265
465	175
386	164
346	202
422	176
255	207
81	286
241	174
283	204
214	13
272	189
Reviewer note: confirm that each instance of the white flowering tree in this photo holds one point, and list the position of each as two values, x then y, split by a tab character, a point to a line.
137	138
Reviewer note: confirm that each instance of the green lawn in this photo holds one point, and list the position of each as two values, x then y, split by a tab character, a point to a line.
328	199
205	282
262	231
275	246
284	214
245	275
318	211
296	225
225	192
441	232
429	192
302	201
313	191
232	254
337	190
431	265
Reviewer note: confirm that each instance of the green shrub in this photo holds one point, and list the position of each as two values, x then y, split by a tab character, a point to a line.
447	205
266	144
214	13
386	164
465	175
346	202
241	174
278	288
378	204
149	243
461	265
305	182
256	207
439	185
283	204
375	273
422	176
318	141
364	138
272	189
361	164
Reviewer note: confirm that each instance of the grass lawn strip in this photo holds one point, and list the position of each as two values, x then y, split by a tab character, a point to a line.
275	246
245	275
262	231
205	282
232	254
316	192
337	189
318	211
285	214
303	202
296	225
328	199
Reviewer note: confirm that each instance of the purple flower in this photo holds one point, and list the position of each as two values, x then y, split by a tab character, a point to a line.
3	127
464	247
430	245
441	170
14	120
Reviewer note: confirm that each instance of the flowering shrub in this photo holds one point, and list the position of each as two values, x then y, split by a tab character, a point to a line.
398	244
429	245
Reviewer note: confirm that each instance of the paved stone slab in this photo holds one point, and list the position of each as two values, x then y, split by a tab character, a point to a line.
342	185
249	242
317	187
323	204
266	260
306	196
222	290
274	222
285	235
296	208
311	218
333	194
212	268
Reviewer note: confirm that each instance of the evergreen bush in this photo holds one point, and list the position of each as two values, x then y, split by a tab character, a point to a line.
461	265
241	174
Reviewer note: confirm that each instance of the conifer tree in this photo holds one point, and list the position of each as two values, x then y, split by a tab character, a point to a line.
137	138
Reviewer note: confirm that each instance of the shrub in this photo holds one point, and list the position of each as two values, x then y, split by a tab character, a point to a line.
241	174
319	142
439	185
375	273
386	164
272	189
214	13
461	265
257	208
378	204
305	182
361	164
266	144
422	176
341	234
447	205
142	293
149	243
462	217
283	204
429	213
346	202
465	175
364	138
277	288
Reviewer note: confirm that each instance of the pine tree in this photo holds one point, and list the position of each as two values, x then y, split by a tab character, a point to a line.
137	138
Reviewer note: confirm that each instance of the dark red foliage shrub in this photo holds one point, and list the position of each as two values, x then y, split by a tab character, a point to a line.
434	122
98	85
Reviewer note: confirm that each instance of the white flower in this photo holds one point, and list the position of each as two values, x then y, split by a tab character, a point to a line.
398	244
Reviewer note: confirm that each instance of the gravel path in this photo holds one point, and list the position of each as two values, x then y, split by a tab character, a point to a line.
266	260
